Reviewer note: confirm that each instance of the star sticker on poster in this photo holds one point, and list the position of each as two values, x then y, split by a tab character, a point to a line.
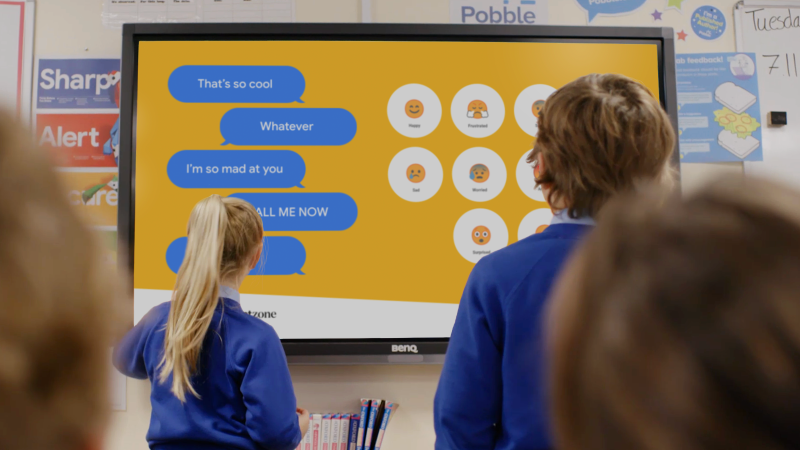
675	4
682	36
656	15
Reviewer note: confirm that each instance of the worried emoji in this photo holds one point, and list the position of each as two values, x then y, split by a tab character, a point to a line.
415	173
477	110
537	108
414	109
479	173
481	235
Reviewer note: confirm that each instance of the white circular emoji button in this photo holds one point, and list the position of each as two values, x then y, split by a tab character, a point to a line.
534	223
415	174
528	106
478	111
414	110
479	174
478	233
526	178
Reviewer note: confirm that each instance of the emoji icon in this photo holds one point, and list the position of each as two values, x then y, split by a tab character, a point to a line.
415	173
537	108
481	235
479	173
541	228
477	110
414	109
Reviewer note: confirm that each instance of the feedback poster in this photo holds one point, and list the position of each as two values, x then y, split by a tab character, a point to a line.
719	109
383	171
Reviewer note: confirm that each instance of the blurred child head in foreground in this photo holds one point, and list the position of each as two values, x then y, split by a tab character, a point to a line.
677	325
57	308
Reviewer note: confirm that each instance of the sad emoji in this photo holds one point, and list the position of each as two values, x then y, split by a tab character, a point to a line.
481	235
415	173
414	109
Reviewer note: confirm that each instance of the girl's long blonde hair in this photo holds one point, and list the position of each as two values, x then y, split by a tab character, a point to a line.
223	236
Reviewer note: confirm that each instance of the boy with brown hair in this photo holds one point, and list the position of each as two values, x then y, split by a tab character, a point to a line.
599	136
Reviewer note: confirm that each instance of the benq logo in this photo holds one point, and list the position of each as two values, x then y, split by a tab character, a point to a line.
404	349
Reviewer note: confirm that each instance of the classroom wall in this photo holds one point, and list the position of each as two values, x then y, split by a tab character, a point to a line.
73	28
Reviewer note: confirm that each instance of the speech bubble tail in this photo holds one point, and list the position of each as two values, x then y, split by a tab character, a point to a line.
224	143
300	100
592	15
300	272
301	186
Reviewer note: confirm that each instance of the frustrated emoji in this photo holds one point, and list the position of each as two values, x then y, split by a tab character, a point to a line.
481	235
541	228
537	108
479	173
477	110
415	173
414	109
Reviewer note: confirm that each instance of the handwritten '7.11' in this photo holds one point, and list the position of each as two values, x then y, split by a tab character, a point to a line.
775	62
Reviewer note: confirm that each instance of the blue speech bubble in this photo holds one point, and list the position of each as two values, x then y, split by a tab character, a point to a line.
238	169
237	84
609	7
326	211
281	255
288	126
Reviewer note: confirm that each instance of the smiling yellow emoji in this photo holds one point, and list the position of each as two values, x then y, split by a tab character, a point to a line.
481	235
477	109
414	109
415	173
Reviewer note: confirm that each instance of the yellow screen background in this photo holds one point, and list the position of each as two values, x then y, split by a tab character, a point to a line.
396	250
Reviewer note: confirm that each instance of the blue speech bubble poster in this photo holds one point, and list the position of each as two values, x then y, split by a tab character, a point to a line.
718	108
594	8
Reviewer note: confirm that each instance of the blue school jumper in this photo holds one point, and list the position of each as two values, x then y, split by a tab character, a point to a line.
492	392
247	399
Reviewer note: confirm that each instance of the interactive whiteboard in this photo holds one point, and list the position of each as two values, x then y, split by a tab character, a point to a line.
383	170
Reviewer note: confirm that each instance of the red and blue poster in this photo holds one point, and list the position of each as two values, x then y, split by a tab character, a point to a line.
78	140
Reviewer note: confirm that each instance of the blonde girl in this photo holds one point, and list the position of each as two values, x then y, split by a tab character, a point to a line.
219	377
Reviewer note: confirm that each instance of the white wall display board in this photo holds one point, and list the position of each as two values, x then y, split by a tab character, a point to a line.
16	56
493	12
771	30
117	12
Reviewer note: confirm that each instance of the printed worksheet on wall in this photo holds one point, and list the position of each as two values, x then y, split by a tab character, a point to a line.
118	12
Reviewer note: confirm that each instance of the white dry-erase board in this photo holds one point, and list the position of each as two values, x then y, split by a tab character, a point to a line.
771	30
